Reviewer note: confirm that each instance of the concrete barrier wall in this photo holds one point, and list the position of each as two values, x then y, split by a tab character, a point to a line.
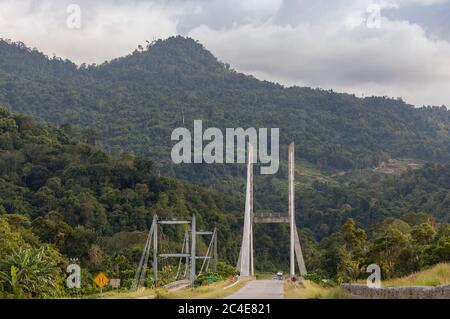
407	292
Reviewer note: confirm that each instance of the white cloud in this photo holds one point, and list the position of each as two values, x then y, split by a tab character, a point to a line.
341	53
107	29
305	42
258	8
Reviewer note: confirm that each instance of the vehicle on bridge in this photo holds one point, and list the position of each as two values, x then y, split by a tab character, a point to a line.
278	276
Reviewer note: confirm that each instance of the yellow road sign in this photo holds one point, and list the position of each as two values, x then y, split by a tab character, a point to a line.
101	280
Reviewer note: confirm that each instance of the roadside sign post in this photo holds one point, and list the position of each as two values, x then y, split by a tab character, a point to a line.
114	283
101	280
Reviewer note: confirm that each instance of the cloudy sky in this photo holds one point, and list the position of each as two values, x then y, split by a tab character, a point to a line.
398	48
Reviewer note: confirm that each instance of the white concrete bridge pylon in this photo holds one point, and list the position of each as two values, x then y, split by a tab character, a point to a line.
245	264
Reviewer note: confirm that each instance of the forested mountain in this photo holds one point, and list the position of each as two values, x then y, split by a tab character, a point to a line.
53	177
58	189
324	208
135	102
63	195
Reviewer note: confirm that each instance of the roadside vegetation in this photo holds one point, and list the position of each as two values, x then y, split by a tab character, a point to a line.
217	290
307	289
143	293
63	200
434	276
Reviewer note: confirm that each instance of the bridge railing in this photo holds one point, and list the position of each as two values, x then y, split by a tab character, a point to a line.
269	214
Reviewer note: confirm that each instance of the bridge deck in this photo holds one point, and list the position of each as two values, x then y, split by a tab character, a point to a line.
260	289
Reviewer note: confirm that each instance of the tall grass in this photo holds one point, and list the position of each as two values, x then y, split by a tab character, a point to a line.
310	290
212	291
434	276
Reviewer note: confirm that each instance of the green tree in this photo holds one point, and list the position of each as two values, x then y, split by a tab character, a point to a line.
32	273
10	239
423	234
352	254
392	251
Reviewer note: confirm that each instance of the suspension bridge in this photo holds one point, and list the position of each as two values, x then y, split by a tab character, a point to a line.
187	259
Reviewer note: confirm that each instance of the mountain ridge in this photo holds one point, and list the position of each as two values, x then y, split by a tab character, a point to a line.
134	102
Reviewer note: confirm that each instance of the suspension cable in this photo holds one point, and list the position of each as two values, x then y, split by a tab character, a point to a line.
207	254
181	258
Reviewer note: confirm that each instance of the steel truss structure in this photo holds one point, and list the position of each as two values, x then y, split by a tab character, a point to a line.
187	253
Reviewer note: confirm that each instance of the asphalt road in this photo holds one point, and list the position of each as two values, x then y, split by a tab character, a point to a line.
260	289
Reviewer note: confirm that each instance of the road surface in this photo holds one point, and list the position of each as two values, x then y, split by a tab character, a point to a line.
260	289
